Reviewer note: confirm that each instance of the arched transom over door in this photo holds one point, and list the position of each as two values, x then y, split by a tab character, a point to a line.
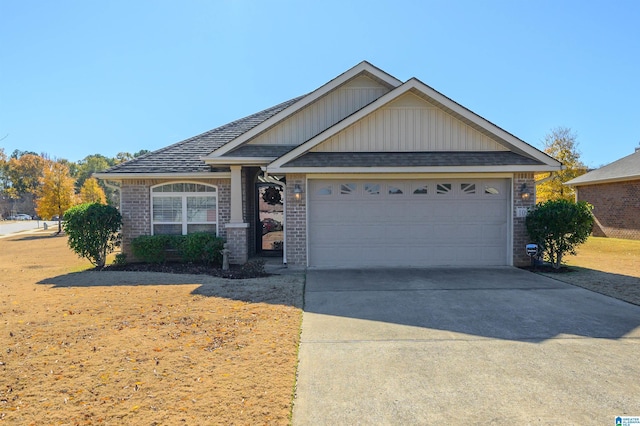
388	223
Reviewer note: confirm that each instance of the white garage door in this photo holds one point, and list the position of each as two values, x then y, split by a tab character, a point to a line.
355	223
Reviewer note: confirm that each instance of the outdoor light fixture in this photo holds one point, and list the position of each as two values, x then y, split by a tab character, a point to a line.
297	191
525	194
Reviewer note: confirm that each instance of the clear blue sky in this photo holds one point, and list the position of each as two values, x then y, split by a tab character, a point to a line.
85	77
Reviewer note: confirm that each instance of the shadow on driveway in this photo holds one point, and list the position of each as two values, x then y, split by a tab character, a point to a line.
502	303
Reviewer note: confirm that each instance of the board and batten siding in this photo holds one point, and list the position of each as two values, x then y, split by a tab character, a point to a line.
409	124
323	113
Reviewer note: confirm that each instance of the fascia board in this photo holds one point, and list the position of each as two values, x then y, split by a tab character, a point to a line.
126	176
601	181
446	169
310	98
248	161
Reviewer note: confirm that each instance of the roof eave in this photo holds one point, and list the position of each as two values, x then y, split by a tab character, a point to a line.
165	175
244	161
604	180
418	169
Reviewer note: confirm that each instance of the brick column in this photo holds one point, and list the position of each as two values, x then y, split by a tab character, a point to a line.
238	242
296	222
520	236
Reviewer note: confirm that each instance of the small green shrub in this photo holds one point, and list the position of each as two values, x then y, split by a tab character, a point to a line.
558	227
199	247
92	229
153	248
120	259
202	247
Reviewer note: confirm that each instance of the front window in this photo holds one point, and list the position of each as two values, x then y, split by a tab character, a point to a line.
184	208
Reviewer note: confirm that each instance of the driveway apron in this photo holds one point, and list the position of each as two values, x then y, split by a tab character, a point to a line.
463	346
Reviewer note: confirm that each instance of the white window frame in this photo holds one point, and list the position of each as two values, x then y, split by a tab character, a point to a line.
184	195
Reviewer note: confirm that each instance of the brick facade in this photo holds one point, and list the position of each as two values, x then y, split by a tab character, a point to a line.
135	206
520	236
296	222
136	210
616	208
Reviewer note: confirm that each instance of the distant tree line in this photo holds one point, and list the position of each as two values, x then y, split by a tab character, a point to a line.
37	185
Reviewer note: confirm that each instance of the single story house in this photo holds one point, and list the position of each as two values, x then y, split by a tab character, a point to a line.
614	192
365	171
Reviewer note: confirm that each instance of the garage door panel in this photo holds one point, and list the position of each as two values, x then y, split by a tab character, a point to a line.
467	225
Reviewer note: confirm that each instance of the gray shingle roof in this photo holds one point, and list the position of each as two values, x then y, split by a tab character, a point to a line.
626	168
410	159
260	151
184	157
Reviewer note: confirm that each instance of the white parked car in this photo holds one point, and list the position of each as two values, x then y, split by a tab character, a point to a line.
20	216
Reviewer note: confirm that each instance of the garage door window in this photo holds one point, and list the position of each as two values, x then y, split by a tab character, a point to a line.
491	190
421	190
348	188
184	208
394	190
372	188
325	190
468	188
443	188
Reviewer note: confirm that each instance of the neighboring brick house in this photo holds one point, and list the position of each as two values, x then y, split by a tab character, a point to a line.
614	192
365	171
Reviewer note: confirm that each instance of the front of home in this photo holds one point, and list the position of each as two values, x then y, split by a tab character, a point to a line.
365	171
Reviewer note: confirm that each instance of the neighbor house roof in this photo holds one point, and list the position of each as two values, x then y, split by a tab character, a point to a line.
626	168
185	156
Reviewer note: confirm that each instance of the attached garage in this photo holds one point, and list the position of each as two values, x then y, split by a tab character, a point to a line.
387	223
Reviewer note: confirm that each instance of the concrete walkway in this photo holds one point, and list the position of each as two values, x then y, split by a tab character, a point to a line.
463	346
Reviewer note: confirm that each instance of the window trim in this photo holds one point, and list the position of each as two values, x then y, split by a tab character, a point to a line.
184	195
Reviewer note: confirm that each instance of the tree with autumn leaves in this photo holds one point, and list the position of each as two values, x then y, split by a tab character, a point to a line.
562	144
56	193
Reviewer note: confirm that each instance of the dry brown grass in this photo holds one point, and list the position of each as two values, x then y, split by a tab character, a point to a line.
82	347
606	265
612	255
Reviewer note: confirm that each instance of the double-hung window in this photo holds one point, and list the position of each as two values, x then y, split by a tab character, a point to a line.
184	208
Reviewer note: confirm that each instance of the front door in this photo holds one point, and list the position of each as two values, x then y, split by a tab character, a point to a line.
270	219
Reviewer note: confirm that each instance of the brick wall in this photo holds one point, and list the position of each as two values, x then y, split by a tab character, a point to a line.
136	207
616	208
520	236
296	222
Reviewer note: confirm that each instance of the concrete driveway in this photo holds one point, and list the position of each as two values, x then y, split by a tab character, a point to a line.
463	346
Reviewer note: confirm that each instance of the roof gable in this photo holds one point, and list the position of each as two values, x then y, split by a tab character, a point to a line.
409	123
353	76
626	168
504	140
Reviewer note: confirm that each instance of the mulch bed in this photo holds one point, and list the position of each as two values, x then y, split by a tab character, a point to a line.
253	269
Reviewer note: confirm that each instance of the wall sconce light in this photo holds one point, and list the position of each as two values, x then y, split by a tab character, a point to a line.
525	194
297	191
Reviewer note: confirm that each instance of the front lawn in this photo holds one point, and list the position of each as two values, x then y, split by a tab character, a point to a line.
113	347
608	266
612	255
